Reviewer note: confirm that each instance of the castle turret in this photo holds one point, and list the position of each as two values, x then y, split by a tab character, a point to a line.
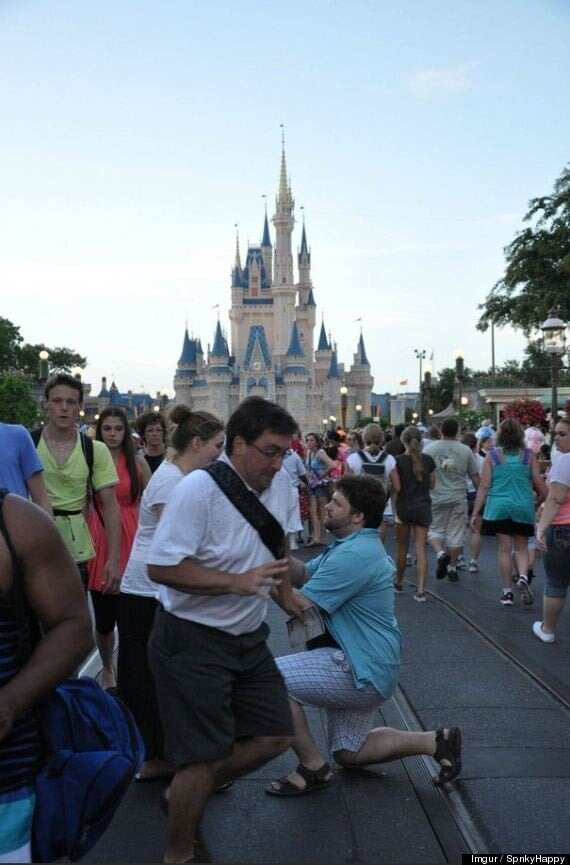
323	357
360	382
295	376
186	370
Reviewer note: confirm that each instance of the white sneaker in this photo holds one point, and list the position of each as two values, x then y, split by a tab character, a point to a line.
473	566
546	638
460	563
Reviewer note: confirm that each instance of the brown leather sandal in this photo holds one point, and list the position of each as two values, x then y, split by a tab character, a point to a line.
315	779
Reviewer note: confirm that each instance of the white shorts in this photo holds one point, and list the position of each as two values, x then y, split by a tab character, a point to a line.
448	523
323	678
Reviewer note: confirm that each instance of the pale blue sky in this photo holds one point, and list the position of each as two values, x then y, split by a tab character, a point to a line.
135	134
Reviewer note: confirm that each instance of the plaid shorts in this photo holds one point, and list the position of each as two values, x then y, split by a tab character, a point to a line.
323	678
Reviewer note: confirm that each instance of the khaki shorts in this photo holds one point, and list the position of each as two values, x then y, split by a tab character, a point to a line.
448	523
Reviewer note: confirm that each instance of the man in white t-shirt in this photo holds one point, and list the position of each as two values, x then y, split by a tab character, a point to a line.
223	702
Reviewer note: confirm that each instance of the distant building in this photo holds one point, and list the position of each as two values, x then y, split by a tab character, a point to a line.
134	404
273	352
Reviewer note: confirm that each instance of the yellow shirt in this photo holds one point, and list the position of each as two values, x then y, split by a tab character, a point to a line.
67	487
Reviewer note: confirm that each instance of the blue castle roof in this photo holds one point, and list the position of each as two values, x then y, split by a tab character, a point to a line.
333	368
323	341
220	347
311	299
266	241
295	348
240	279
362	352
188	356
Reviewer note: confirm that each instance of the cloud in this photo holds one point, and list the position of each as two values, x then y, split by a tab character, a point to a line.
449	79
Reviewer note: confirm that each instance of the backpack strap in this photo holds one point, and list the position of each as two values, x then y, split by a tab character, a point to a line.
249	506
524	457
496	457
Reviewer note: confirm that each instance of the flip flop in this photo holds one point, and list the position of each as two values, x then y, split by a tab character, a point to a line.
448	754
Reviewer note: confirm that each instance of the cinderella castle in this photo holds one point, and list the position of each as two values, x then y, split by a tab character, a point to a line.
272	349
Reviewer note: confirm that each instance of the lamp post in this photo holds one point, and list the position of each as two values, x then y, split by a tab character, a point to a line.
554	335
460	376
427	389
415	417
324	423
420	353
358	408
44	366
343	404
332	420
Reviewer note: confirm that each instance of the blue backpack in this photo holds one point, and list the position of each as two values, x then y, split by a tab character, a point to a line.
92	750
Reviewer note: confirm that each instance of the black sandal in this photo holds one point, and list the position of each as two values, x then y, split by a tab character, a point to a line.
315	779
448	754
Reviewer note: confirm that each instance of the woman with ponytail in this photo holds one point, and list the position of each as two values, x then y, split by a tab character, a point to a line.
197	438
413	507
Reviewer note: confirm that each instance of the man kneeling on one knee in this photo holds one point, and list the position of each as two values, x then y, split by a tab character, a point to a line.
353	667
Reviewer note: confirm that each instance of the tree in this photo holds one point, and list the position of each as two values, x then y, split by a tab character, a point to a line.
60	359
10	339
19	356
17	404
537	276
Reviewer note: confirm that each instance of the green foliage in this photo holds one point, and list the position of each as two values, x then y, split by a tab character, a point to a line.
17	404
537	276
10	339
60	359
20	356
441	391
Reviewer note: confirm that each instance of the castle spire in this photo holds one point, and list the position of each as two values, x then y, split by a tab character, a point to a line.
237	263
284	197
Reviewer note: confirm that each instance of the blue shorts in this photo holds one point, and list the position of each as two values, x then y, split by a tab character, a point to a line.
557	561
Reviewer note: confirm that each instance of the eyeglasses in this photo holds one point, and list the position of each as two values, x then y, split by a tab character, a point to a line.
270	453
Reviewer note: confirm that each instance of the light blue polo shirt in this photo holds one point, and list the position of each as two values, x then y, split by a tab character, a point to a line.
353	583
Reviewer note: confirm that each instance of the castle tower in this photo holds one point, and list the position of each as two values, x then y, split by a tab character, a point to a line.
267	249
307	308
283	289
185	371
360	382
219	376
295	376
323	356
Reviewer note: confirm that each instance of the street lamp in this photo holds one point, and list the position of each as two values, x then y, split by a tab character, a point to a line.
324	423
332	419
76	372
44	366
427	388
358	414
414	417
460	376
420	353
554	335
343	405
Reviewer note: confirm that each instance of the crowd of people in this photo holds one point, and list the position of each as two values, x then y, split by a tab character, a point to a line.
181	533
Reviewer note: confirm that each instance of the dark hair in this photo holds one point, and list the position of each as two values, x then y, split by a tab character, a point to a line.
188	424
434	432
127	447
364	493
256	415
64	378
399	429
449	428
150	417
357	438
510	436
317	437
469	439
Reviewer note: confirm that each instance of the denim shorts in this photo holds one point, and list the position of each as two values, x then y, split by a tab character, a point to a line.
557	561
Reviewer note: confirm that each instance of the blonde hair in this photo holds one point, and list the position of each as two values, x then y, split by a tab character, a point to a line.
373	436
412	439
